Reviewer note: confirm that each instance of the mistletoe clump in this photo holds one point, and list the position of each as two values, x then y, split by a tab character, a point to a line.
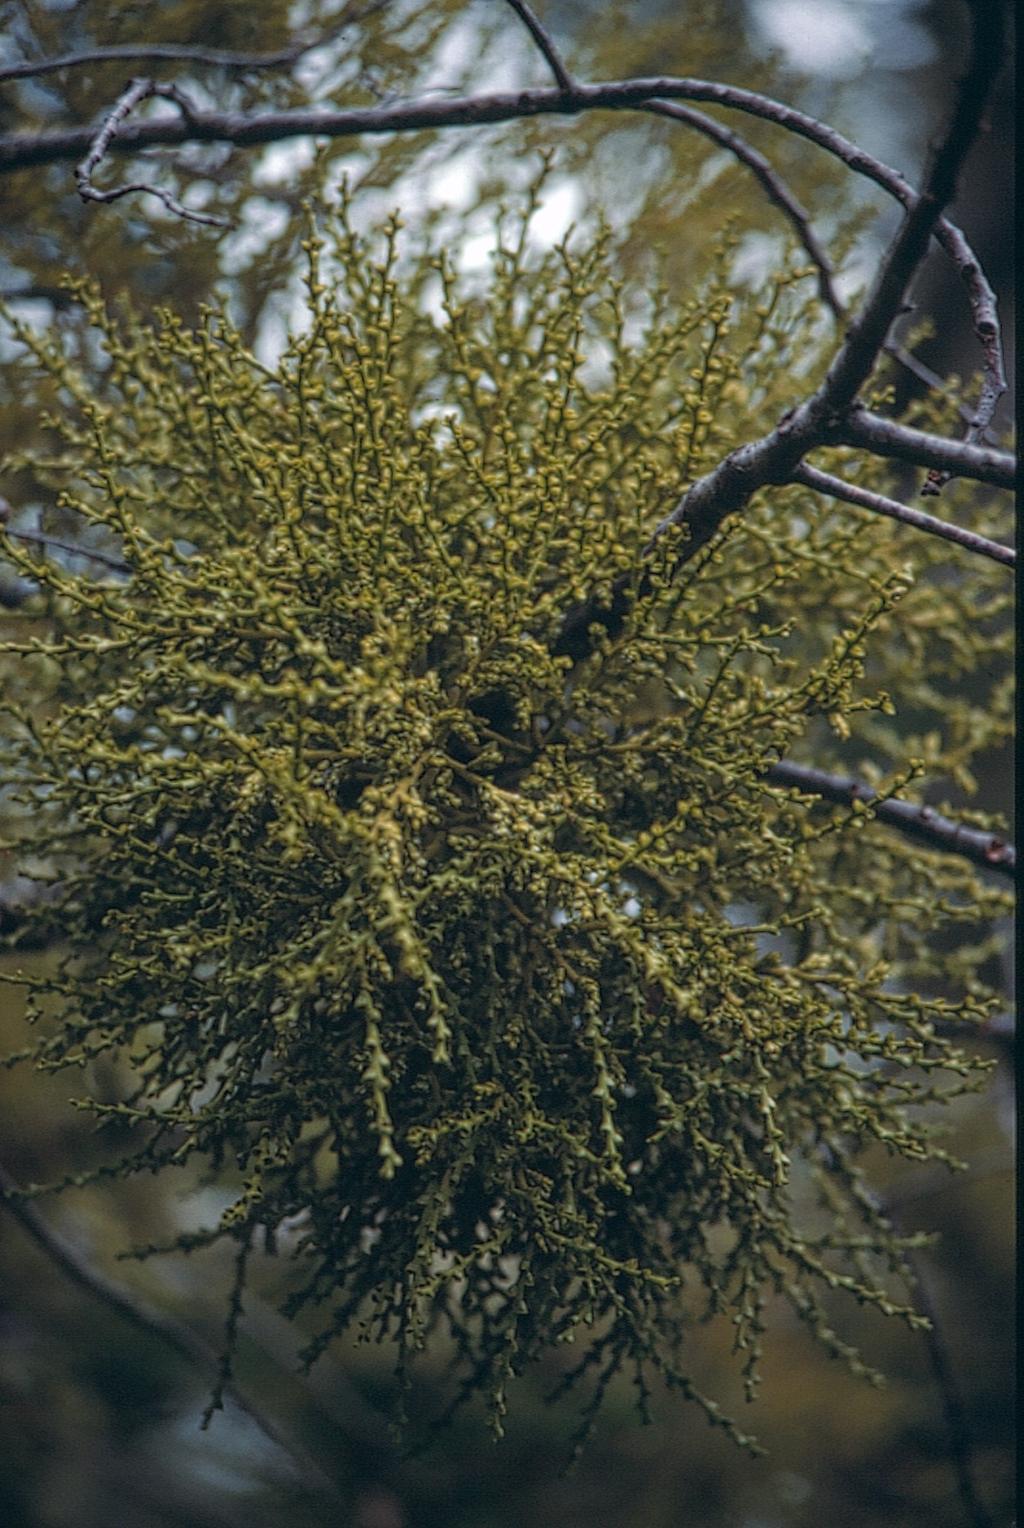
488	961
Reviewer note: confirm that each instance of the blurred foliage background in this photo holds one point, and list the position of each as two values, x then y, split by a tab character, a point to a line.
98	1421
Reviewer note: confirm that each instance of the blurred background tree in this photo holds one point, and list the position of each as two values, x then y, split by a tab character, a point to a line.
98	1421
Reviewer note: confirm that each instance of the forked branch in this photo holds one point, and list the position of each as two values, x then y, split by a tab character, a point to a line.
774	458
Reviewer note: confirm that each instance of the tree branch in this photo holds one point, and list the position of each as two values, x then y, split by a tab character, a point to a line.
856	358
781	196
885	437
186	53
961	1450
836	488
774	187
24	150
961	1444
37	538
188	1344
151	53
921	823
773	458
545	42
131	97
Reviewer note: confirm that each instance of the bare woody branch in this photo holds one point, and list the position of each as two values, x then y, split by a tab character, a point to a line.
773	185
542	37
836	488
132	97
919	448
187	53
921	823
773	458
781	196
24	150
856	358
187	1343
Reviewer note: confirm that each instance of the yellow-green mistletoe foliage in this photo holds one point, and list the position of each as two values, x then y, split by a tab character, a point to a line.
504	979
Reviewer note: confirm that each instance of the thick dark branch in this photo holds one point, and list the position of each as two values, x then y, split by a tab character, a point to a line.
921	823
173	1334
245	130
545	42
836	488
903	443
773	458
856	358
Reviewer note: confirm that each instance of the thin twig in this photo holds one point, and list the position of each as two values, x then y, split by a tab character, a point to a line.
545	42
173	1334
921	823
961	1445
836	488
153	53
130	98
37	538
931	379
772	184
185	53
235	1306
